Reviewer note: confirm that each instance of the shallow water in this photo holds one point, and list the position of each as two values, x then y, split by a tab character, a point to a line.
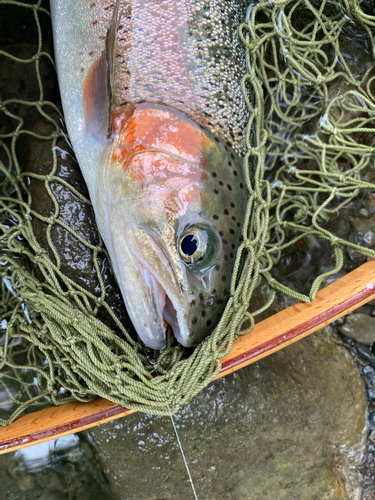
291	426
62	469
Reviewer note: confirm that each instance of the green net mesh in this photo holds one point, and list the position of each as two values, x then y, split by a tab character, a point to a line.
64	332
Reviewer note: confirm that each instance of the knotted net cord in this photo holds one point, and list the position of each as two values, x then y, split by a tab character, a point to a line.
310	152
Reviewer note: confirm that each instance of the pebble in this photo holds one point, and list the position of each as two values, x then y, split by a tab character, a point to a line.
364	213
371	421
359	327
364	231
369	376
363	234
365	352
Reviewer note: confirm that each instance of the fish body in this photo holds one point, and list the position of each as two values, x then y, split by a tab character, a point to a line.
153	105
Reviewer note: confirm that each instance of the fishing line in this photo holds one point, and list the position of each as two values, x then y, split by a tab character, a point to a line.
175	431
183	456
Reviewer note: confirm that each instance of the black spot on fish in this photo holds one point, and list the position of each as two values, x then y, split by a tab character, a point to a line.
214	174
229	187
213	291
229	163
208	322
193	302
193	321
221	183
201	296
223	278
232	205
216	191
216	139
226	212
233	246
215	217
238	224
225	257
232	255
203	314
224	241
217	268
231	231
232	156
235	173
233	218
241	185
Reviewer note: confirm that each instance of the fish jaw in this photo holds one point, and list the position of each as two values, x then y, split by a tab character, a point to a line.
149	285
159	283
151	289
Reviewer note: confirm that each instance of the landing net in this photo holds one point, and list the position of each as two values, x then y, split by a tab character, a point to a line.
64	333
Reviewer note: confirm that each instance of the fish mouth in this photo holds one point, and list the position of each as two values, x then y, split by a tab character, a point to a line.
151	290
163	303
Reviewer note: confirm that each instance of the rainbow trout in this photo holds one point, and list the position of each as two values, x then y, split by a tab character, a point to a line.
152	99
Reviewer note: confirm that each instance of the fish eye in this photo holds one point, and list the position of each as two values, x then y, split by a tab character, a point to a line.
193	244
200	246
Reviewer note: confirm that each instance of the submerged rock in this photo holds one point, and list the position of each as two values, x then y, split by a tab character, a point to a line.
63	469
359	327
291	426
363	234
366	353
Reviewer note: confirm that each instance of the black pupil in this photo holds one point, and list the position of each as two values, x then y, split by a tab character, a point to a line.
189	245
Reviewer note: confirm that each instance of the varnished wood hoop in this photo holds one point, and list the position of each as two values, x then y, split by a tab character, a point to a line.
268	336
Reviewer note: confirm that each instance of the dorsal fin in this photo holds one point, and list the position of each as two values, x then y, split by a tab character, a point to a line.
97	87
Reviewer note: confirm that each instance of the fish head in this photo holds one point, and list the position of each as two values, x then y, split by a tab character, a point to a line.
171	206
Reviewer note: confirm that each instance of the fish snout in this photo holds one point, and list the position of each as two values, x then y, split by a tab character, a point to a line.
157	293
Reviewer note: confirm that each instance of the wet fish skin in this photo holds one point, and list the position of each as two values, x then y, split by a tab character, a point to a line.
166	169
185	54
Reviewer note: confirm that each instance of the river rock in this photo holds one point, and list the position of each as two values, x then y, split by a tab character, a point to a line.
291	426
363	234
63	469
359	327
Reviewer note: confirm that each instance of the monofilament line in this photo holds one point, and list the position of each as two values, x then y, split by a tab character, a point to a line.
183	456
154	364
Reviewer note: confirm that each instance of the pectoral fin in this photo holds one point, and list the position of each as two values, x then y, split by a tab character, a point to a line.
97	87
